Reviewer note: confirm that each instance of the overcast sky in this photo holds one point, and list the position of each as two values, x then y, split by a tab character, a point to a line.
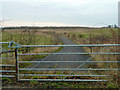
59	12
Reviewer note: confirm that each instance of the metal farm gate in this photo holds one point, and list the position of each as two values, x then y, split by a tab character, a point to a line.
44	72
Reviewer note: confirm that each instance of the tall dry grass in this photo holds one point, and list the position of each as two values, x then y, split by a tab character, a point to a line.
100	36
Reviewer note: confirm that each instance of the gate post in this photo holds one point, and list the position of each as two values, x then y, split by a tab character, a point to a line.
108	57
16	51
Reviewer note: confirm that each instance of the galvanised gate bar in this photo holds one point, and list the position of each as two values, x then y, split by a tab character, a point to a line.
61	76
2	50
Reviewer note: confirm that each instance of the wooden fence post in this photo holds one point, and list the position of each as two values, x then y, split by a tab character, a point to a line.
16	62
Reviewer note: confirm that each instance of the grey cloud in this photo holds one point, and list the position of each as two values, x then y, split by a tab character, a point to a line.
87	14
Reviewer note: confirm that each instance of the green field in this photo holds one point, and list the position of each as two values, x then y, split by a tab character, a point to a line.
28	38
100	36
79	36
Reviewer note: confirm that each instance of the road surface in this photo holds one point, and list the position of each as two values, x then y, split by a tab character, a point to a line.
66	41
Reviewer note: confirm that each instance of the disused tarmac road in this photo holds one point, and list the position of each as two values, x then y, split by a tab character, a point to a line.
65	41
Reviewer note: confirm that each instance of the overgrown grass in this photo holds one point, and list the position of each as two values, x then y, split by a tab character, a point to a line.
55	85
100	36
28	38
80	38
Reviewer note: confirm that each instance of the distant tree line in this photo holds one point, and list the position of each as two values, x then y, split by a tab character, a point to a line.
45	27
111	26
53	27
21	27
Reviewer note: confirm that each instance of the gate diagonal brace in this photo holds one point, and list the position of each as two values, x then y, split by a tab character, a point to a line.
84	62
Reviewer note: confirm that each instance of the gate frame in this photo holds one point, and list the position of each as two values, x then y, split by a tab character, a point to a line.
94	45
